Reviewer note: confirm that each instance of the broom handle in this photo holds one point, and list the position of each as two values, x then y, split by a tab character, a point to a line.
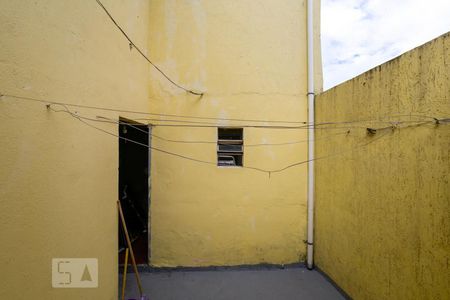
124	282
133	261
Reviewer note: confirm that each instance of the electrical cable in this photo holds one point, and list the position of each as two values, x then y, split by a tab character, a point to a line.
169	125
269	172
215	142
316	126
16	97
133	45
108	120
129	140
296	142
143	113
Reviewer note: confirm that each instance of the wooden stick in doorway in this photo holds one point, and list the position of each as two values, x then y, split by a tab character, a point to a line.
133	261
124	280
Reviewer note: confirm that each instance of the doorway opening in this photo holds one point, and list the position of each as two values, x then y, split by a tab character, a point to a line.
134	173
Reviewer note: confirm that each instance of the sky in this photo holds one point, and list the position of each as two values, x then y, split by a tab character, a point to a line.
358	35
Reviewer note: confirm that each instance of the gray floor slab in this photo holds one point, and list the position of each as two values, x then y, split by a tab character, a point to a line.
295	283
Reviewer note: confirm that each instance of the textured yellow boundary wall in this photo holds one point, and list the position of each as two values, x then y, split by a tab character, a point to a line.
383	204
58	177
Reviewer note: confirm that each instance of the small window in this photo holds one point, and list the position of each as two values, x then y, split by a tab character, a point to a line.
230	149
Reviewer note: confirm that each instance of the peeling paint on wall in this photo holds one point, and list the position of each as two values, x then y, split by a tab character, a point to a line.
250	60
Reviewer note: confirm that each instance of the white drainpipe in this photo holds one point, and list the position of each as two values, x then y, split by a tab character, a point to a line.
310	239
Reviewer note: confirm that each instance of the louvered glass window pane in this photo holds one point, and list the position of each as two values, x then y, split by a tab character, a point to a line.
230	147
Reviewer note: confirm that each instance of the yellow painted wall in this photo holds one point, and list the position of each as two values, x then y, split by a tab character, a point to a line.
382	209
249	58
58	177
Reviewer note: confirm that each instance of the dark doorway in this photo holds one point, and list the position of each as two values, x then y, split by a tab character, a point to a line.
134	170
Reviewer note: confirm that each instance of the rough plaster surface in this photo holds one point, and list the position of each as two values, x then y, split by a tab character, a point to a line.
382	203
250	60
58	177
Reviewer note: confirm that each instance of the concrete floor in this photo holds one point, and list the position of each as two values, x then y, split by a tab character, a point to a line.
291	283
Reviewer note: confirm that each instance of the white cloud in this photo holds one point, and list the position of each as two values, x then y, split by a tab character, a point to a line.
358	35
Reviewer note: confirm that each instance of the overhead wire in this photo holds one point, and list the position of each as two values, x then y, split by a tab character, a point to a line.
361	145
127	139
214	163
154	135
194	124
82	119
326	137
215	142
109	120
305	125
133	45
48	101
267	171
66	110
296	142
